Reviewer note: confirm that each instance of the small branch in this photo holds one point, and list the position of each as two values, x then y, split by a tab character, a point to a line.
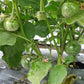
52	37
80	35
73	37
17	12
55	44
65	36
36	60
57	26
21	37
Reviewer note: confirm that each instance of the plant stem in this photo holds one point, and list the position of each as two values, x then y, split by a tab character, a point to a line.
64	40
21	26
50	50
21	37
80	35
37	50
35	47
57	26
55	44
59	59
36	60
1	29
41	5
52	37
17	12
12	15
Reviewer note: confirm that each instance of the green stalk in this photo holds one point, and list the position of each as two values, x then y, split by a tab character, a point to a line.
80	35
41	5
52	37
14	3
62	43
35	83
36	60
35	47
57	26
59	60
12	15
55	44
37	50
64	40
50	50
21	26
18	15
21	37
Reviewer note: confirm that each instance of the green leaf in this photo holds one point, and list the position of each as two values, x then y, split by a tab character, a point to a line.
29	30
53	6
42	29
33	3
57	74
69	59
76	17
7	39
54	9
38	71
28	47
12	54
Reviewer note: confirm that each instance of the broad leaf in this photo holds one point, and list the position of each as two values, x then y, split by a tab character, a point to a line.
57	74
33	3
38	71
7	39
69	59
54	9
42	29
29	30
12	54
28	47
76	17
52	6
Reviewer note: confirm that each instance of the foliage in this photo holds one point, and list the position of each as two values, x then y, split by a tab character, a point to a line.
57	74
73	48
21	20
12	54
38	71
7	39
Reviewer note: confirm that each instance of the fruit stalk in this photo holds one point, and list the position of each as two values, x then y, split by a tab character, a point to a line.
41	5
17	12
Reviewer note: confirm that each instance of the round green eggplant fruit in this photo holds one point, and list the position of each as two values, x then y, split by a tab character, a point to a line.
73	48
25	62
11	25
69	9
41	15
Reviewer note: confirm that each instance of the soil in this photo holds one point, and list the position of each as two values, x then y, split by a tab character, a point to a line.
48	46
76	65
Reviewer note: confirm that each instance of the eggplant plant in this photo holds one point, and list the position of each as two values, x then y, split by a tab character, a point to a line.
21	20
